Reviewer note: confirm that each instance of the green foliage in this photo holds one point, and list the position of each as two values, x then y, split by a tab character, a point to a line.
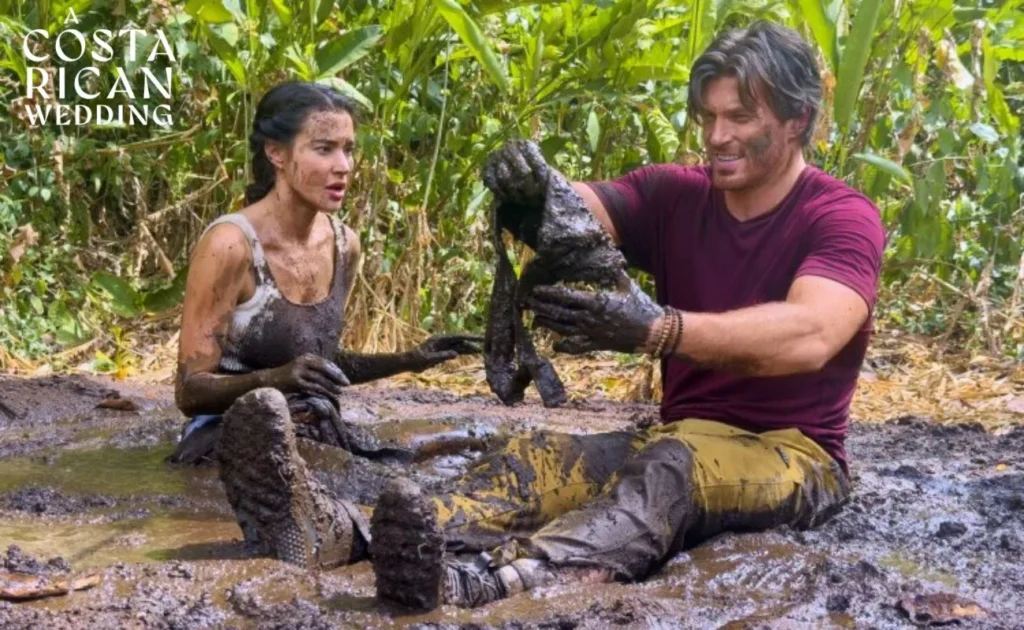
920	113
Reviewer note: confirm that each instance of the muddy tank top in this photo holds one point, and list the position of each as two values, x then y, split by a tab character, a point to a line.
268	330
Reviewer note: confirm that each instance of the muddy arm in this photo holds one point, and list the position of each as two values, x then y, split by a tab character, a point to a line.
208	393
219	277
360	368
202	391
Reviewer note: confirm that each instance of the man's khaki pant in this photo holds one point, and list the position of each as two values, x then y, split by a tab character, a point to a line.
627	501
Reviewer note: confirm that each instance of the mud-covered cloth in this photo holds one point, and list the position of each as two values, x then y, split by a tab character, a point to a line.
569	244
511	361
628	501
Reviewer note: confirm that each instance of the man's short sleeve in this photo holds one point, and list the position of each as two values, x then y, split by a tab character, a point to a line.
846	245
635	203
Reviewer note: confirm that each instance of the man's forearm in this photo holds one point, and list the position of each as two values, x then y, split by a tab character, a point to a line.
361	368
773	339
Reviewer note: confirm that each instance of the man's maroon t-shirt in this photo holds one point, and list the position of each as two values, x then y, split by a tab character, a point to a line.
674	225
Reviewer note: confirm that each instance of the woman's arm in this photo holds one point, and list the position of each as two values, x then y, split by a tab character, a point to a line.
218	280
360	368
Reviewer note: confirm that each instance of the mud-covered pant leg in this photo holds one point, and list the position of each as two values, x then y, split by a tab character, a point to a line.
526	484
693	479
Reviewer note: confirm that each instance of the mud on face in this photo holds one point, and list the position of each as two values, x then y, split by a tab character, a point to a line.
318	163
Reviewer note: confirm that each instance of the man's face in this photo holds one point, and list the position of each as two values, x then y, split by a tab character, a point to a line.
746	147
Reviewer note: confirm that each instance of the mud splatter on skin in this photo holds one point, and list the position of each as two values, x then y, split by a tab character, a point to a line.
738	120
757	148
321	155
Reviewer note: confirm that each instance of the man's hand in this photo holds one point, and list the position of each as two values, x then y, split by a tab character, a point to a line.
518	177
517	172
441	348
311	374
595	321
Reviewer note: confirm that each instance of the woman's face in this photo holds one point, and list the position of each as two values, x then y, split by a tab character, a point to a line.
318	164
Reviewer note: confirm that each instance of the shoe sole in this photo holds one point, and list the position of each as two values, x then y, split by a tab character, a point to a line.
407	547
265	479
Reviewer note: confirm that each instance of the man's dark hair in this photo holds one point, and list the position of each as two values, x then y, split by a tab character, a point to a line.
769	60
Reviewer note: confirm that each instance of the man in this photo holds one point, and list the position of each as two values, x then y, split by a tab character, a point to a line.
766	272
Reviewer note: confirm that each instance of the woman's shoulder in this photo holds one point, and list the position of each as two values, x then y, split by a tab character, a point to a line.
347	239
226	238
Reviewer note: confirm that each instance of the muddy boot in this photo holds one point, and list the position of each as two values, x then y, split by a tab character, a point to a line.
410	564
407	546
281	509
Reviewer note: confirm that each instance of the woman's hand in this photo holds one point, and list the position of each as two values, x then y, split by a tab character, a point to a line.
441	348
310	374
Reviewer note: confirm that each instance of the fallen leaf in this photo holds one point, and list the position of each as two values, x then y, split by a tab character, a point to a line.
24	586
85	582
25	237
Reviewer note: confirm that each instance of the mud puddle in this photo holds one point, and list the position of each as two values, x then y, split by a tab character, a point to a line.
936	510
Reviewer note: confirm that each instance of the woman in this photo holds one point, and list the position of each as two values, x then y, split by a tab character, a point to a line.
266	291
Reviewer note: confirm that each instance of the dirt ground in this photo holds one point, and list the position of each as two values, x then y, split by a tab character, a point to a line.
935	530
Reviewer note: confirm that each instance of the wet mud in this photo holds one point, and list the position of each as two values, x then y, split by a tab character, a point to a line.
570	246
933	532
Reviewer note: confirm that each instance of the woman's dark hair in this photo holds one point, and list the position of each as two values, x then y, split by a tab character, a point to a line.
279	117
769	59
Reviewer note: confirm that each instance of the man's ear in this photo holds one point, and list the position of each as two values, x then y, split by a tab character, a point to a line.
795	127
275	153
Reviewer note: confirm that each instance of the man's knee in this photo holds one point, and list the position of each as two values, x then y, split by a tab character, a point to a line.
658	485
666	460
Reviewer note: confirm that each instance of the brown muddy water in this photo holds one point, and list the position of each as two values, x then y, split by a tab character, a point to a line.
934	533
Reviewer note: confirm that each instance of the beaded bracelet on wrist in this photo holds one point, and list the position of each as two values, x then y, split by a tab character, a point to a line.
676	331
662	339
